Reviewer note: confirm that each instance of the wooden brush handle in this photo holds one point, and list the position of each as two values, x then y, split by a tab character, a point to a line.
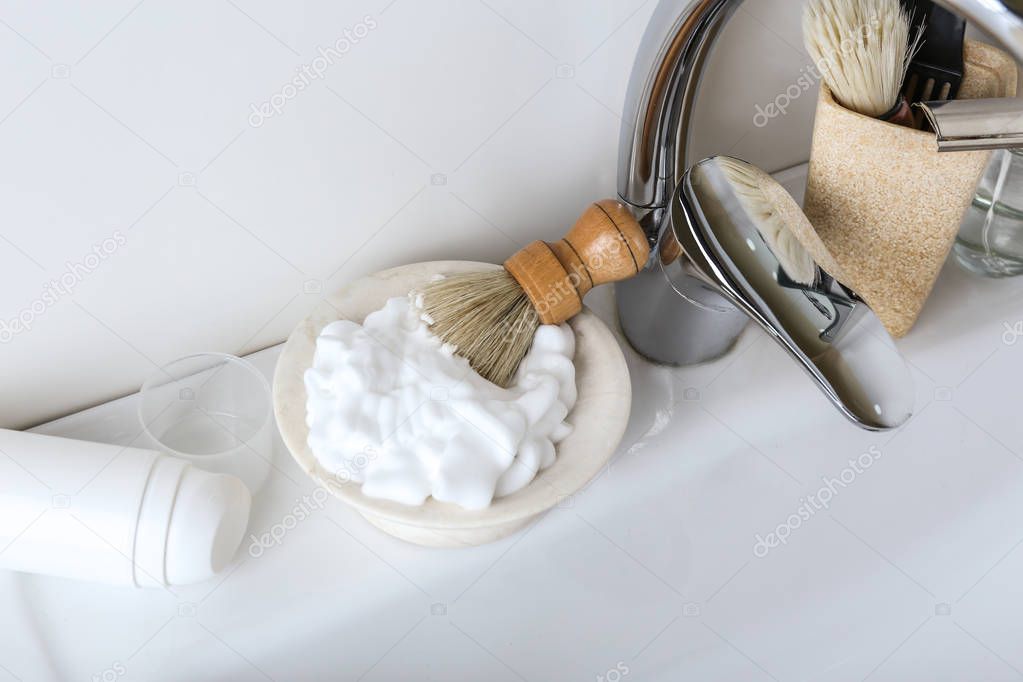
605	245
901	114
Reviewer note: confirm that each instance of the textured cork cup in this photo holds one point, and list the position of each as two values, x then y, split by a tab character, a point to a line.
886	204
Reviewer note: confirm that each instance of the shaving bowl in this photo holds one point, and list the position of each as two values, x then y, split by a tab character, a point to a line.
598	418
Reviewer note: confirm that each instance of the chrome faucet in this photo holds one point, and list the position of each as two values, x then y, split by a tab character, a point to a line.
695	296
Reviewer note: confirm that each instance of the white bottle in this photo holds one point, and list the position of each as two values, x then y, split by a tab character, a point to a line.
112	514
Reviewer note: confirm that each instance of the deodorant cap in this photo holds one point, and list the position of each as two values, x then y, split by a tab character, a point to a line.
191	523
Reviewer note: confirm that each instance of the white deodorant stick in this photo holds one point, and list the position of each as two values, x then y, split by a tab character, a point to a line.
112	514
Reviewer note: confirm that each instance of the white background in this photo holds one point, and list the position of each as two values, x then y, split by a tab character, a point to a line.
110	110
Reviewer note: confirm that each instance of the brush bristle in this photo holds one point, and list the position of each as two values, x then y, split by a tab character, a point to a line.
487	318
794	259
862	49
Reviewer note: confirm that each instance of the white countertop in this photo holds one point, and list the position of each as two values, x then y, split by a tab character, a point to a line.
911	574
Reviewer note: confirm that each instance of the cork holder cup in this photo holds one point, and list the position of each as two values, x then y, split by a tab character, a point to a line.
886	204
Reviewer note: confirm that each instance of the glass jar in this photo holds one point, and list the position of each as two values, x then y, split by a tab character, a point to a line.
990	241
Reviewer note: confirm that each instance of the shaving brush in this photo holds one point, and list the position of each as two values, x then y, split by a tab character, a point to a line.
863	49
490	317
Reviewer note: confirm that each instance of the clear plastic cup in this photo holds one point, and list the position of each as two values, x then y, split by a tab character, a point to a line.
213	410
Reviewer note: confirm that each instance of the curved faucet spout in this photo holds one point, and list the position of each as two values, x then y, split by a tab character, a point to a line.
657	121
662	93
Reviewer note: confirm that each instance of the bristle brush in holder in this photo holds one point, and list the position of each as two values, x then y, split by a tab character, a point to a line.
862	49
490	317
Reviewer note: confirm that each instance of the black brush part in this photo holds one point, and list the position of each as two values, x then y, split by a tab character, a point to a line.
936	72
